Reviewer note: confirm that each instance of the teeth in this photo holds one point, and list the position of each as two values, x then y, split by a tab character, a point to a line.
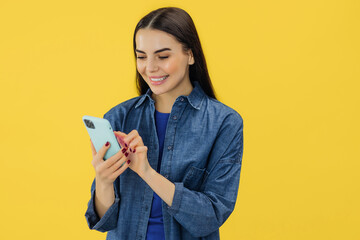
158	79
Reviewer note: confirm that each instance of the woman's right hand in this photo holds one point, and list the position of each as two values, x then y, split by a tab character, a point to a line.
108	170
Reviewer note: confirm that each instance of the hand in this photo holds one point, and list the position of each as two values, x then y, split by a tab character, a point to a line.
137	151
107	171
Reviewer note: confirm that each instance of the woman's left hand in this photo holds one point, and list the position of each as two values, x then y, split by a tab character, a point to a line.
137	151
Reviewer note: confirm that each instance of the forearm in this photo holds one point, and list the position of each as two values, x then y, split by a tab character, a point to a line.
160	185
104	198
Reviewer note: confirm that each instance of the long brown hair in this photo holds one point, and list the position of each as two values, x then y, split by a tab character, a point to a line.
178	23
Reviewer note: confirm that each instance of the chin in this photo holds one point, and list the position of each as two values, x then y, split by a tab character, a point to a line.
157	91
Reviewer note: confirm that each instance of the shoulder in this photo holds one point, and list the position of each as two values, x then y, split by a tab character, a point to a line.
123	107
117	114
227	115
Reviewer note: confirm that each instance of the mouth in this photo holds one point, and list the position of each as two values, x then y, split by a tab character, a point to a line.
157	80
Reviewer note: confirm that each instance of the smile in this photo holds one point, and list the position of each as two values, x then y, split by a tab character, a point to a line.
158	79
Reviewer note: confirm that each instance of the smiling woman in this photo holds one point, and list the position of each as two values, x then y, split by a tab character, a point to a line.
165	70
184	148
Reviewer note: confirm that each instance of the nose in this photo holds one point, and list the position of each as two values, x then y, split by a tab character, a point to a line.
152	65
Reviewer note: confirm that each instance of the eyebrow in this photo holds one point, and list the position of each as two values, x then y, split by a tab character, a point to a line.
157	51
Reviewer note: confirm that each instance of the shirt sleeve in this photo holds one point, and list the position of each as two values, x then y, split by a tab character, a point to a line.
109	220
203	212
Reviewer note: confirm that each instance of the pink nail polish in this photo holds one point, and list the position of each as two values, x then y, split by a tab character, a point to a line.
123	150
126	154
128	161
134	150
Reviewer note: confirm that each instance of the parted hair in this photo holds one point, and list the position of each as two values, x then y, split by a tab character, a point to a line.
179	24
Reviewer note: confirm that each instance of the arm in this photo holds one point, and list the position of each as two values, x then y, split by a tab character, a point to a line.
200	212
104	197
204	211
109	220
140	164
103	206
160	185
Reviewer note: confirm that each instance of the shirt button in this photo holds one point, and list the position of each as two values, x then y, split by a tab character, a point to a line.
182	99
174	117
166	176
146	208
169	147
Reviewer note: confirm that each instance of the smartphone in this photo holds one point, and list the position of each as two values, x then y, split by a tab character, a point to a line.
100	131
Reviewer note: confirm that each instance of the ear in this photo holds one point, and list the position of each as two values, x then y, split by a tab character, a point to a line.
191	60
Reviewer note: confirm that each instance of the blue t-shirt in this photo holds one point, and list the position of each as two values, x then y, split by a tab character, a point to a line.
155	225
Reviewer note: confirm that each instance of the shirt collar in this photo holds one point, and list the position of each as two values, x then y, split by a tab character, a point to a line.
143	97
195	98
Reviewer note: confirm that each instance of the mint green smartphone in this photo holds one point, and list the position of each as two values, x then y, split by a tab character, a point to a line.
100	131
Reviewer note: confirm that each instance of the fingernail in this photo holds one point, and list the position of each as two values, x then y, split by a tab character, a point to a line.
123	150
131	150
126	154
134	150
125	145
128	161
107	144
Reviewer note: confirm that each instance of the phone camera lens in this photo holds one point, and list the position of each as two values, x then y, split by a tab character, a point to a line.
89	123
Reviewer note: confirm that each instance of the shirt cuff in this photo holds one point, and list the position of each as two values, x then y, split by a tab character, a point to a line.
101	224
179	189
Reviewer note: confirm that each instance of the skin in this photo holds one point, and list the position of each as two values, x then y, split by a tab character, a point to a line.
174	63
106	173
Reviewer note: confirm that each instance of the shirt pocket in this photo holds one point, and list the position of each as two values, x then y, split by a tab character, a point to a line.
194	178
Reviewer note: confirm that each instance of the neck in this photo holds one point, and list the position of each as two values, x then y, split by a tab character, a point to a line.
164	102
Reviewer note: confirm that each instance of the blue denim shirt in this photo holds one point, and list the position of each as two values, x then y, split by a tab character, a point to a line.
202	156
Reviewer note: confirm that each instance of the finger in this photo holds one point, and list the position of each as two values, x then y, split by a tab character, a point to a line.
93	150
137	142
118	164
120	137
141	149
120	141
120	134
103	151
133	134
109	162
120	171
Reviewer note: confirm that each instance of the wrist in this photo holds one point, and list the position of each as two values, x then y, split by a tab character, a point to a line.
147	173
103	185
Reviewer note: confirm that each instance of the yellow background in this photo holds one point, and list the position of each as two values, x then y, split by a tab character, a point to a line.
290	68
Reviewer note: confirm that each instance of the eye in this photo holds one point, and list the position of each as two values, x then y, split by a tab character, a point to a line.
140	57
163	57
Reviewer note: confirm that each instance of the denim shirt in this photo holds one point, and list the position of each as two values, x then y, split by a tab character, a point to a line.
202	156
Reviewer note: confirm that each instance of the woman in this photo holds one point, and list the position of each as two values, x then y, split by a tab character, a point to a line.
183	147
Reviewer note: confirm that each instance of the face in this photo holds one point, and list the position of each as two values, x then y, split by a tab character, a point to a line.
162	62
